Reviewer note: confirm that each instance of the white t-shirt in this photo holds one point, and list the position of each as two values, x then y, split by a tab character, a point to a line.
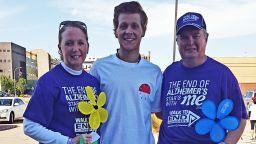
133	91
253	112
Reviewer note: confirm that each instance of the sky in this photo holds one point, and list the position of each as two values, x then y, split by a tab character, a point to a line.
34	24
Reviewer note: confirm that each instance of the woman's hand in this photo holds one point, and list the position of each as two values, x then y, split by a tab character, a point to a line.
86	138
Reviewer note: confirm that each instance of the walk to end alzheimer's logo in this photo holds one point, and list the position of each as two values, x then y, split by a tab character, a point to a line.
82	125
181	118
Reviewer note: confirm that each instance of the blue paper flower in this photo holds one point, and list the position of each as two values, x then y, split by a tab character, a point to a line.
218	122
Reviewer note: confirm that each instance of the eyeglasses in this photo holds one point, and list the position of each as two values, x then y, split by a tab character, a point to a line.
62	24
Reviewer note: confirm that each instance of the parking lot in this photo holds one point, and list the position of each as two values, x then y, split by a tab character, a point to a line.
13	134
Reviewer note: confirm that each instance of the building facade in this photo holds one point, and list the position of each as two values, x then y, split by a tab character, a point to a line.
244	68
43	61
88	62
12	60
32	70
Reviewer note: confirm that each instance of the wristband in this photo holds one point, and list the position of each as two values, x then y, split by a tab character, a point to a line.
81	139
69	141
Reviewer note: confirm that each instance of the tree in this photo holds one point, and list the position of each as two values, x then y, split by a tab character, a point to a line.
21	85
6	83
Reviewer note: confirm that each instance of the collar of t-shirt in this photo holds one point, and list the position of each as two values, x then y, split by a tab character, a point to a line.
69	70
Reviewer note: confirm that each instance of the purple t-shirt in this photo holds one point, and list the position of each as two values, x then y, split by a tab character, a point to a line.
183	92
54	102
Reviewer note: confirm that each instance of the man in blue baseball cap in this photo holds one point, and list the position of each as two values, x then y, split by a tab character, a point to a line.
188	83
190	19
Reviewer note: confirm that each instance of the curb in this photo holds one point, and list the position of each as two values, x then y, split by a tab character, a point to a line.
7	127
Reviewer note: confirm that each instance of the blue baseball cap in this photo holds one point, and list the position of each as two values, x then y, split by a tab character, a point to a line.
190	19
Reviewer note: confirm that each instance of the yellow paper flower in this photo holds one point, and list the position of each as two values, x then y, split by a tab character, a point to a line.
94	109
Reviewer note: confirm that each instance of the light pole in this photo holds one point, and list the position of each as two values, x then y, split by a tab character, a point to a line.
14	74
174	35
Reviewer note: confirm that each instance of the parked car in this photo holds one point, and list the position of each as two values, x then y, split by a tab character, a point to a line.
3	94
11	109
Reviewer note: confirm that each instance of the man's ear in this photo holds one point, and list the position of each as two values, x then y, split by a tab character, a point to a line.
206	38
144	32
115	34
59	51
88	47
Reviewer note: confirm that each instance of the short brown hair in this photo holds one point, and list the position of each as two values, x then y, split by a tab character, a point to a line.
130	8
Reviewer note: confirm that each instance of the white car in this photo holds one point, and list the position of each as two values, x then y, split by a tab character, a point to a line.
11	108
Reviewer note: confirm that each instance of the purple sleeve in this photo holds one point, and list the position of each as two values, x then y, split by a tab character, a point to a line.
40	107
231	89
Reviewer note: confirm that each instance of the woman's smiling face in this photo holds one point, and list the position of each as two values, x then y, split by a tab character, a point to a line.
73	47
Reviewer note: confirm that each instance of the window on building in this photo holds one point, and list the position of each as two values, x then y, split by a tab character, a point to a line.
8	50
4	50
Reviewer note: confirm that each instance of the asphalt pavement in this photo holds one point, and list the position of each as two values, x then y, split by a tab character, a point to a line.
13	134
246	137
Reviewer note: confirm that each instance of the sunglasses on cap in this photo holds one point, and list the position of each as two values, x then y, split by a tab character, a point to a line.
64	23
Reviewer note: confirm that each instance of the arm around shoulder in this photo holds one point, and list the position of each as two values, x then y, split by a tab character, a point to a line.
234	136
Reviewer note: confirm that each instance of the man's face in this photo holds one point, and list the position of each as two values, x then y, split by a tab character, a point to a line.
129	31
192	43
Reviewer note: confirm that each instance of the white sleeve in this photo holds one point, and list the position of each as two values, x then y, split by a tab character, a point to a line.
42	134
156	101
